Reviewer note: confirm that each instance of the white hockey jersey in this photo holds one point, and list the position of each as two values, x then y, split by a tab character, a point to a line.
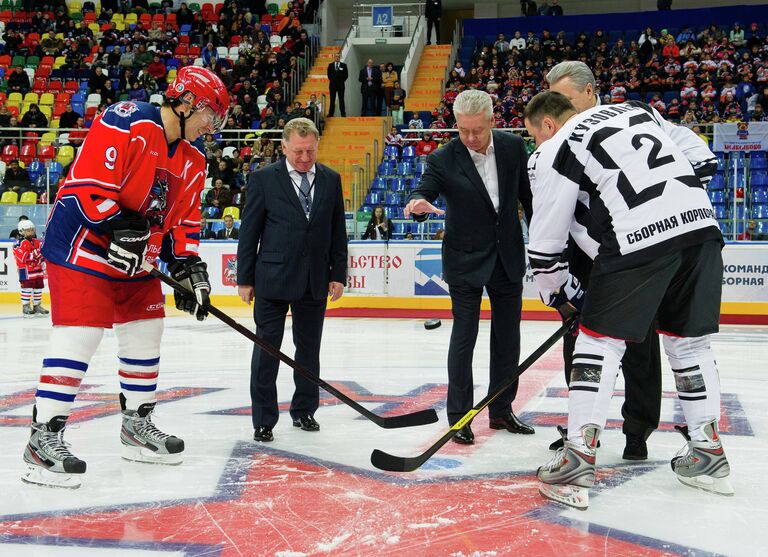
626	184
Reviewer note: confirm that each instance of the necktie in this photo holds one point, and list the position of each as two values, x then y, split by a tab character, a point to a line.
337	66
306	192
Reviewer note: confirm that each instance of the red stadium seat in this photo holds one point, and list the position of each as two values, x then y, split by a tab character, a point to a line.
63	97
6	16
195	51
3	98
47	61
54	87
171	18
30	138
73	86
146	19
46	153
40	85
33	37
5	61
59	108
90	113
234	40
10	153
184	39
43	71
159	18
28	153
181	50
14	110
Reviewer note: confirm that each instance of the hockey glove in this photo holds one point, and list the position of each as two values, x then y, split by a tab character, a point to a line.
569	301
192	273
128	235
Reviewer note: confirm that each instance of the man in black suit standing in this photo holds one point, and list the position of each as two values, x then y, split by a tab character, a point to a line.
292	253
481	175
337	76
433	11
370	84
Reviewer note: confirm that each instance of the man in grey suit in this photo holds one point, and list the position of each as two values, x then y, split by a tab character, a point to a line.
482	176
292	253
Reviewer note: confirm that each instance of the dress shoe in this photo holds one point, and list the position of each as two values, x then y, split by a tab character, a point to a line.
559	443
263	433
635	449
307	423
464	436
511	423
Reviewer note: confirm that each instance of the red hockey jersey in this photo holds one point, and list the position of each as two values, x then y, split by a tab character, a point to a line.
29	261
126	163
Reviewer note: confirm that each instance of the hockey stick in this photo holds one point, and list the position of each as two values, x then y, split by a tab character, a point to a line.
421	417
391	463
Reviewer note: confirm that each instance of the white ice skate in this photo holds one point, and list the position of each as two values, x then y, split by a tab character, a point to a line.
702	464
49	460
570	473
143	442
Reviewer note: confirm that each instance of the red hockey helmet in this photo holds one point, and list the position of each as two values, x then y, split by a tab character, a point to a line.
201	88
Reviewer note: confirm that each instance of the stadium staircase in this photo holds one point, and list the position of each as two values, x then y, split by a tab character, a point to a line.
316	82
425	90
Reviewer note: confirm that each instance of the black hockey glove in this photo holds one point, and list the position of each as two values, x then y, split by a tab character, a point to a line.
128	238
569	301
192	273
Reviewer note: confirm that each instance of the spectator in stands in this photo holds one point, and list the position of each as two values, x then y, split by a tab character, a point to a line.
662	5
218	196
501	45
98	79
18	81
415	122
229	232
338	73
394	139
184	15
685	35
5	116
16	178
137	93
398	103
426	146
543	8
370	84
647	43
264	149
439	234
108	93
378	226
736	36
69	117
33	118
77	136
556	9
759	114
433	11
388	80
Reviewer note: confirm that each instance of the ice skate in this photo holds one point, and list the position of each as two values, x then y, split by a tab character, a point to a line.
39	310
570	473
702	464
49	460
28	311
143	442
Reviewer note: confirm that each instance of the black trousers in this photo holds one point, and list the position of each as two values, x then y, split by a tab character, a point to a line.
369	102
340	92
641	367
506	304
436	24
308	316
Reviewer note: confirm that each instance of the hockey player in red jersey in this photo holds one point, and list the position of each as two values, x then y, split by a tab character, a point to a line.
29	262
132	194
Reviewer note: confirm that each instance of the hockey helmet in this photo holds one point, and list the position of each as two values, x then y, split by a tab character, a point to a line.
200	88
25	225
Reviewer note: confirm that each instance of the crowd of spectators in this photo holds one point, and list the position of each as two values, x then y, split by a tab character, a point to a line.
692	76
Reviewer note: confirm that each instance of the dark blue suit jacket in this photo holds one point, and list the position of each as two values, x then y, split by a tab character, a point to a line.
279	251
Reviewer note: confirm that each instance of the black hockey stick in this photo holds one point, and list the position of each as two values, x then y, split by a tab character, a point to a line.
421	417
391	463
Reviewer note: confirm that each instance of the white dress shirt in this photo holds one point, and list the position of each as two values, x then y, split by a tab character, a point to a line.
486	168
296	179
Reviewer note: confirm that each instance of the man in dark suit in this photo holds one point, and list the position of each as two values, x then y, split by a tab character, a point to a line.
229	232
292	253
482	176
370	84
433	11
337	76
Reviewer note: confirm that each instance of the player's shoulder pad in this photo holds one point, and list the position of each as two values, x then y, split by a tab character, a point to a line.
122	114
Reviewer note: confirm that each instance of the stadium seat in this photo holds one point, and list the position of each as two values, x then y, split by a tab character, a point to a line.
234	212
46	152
10	153
65	155
372	198
28	153
717	196
720	212
379	183
47	99
28	198
9	197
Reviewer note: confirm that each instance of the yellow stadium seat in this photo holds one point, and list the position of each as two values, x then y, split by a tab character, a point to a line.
131	19
54	123
28	197
15	98
48	138
47	99
120	25
65	154
47	110
24	109
234	212
94	27
117	17
9	197
60	36
58	62
31	98
75	7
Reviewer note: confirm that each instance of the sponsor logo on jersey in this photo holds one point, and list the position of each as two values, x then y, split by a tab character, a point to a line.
155	307
158	200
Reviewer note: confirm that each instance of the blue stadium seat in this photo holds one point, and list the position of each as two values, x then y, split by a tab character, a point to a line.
759	179
717	182
758	161
633	96
409	152
216	226
669	95
393	198
400	229
379	183
759	195
399	184
373	198
391	211
405	169
390	152
386	168
738	211
716	196
760	211
211	212
720	212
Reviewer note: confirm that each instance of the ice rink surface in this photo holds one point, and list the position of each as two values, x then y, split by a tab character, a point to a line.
318	494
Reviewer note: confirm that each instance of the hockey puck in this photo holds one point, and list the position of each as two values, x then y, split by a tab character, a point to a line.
430	324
